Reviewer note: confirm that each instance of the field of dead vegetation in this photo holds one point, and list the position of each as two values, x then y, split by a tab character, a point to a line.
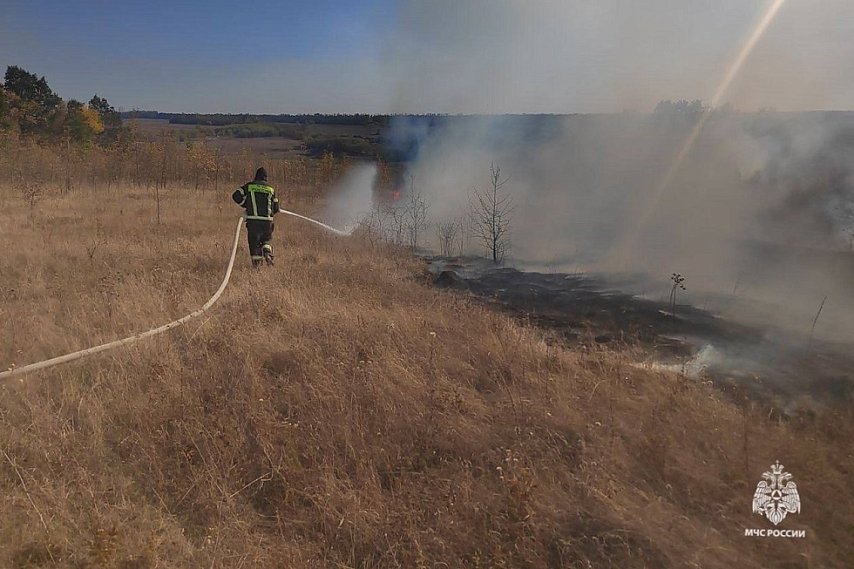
338	411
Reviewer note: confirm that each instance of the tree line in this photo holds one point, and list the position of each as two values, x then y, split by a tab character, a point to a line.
30	107
224	119
48	144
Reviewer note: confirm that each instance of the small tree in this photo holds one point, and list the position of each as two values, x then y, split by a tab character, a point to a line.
374	225
203	163
109	117
82	123
678	282
416	213
490	212
448	233
397	226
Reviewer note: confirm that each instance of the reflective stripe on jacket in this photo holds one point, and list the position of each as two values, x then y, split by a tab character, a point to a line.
259	200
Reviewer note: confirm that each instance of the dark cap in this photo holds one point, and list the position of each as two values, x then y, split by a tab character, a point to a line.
261	175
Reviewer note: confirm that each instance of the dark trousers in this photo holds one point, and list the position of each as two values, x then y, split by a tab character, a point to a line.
260	233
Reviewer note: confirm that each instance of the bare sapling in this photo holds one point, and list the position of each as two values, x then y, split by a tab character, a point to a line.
415	213
490	213
678	283
97	242
817	314
449	233
398	224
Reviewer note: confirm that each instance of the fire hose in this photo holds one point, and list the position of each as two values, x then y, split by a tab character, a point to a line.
314	221
73	356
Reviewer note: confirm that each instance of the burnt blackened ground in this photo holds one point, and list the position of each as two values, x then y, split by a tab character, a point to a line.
743	360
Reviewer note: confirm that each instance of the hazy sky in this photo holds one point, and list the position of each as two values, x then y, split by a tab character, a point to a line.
431	55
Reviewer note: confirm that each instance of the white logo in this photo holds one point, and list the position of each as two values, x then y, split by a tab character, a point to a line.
776	496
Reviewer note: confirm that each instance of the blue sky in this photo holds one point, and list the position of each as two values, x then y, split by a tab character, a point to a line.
133	48
194	30
454	56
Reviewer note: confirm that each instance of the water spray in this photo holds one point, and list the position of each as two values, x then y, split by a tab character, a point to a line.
329	228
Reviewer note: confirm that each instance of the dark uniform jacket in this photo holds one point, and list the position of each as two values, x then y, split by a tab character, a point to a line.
258	199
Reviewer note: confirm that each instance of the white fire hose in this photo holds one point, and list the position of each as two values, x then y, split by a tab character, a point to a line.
73	356
314	221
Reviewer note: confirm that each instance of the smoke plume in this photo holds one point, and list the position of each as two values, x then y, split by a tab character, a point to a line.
758	217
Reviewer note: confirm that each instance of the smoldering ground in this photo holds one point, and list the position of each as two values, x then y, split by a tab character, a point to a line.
758	218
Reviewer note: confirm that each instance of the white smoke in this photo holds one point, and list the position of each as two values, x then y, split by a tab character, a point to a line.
565	56
756	217
352	197
762	206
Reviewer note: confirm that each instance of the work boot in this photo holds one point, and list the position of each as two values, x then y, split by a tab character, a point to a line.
268	254
257	262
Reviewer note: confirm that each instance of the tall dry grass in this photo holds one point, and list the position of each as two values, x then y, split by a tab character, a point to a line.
159	165
335	411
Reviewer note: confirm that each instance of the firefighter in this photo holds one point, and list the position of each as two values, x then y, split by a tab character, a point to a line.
259	200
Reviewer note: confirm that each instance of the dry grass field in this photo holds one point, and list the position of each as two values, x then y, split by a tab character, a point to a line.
272	147
337	411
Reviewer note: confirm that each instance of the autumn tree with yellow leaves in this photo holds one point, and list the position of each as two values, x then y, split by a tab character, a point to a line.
82	122
28	105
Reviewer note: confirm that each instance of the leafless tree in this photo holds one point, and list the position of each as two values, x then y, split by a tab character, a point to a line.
97	242
448	233
678	282
416	214
373	224
395	231
490	213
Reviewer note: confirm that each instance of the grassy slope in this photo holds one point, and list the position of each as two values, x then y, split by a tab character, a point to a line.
337	412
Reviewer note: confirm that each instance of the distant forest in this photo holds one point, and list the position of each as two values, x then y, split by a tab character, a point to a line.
223	119
379	121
